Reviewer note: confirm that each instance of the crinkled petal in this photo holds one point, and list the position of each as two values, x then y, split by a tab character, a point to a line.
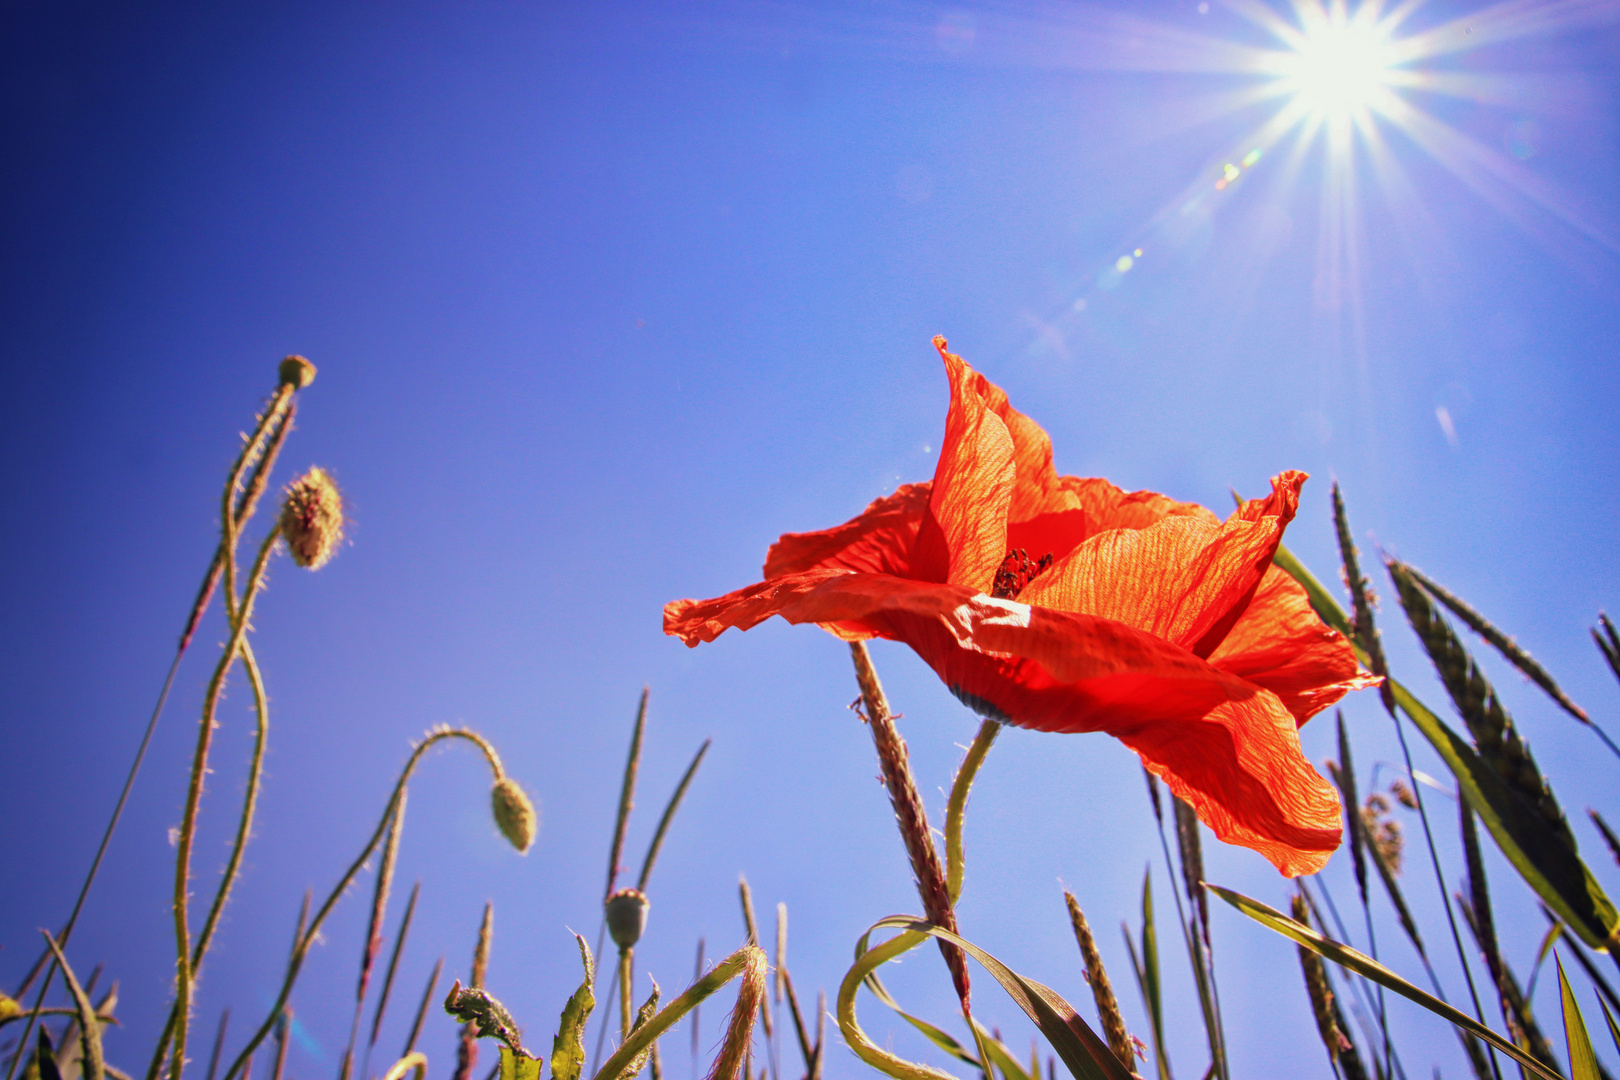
1282	645
1185	579
1110	507
1226	746
964	538
879	541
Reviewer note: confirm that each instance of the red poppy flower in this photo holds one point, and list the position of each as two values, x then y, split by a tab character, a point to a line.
1140	616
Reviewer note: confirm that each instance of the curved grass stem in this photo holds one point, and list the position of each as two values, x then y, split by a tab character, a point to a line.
308	938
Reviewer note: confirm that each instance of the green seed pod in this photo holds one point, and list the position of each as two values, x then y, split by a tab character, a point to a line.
515	814
627	917
312	519
297	372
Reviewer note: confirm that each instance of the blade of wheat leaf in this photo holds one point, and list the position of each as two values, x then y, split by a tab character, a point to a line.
1546	864
1608	834
1150	974
933	1034
1365	965
1501	642
1583	1063
1608	1018
669	815
1081	1049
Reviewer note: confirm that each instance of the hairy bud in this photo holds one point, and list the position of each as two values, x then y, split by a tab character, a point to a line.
312	519
297	372
515	814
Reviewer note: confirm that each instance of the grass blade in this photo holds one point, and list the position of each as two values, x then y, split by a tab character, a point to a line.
627	795
421	1010
393	963
669	815
1085	1054
1608	643
1366	966
94	1067
1583	1063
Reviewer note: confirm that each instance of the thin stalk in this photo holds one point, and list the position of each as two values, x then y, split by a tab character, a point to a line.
625	960
421	1010
205	593
627	797
956	808
359	863
388	979
697	973
199	769
669	815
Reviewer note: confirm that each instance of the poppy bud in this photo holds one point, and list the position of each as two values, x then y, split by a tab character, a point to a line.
627	916
515	815
312	519
297	372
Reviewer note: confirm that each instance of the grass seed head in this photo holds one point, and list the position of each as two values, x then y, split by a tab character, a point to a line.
312	519
515	814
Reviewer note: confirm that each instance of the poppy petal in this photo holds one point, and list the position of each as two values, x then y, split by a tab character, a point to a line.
964	539
1280	644
1226	746
879	541
1179	579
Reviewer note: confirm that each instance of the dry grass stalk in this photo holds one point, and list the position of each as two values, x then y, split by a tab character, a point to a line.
1502	643
1316	987
1476	910
910	814
1608	834
219	1044
393	963
747	897
627	795
1608	643
751	997
421	1010
1497	739
1113	1022
1363	629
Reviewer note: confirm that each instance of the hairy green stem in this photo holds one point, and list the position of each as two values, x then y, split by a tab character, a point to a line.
199	769
956	808
747	961
309	935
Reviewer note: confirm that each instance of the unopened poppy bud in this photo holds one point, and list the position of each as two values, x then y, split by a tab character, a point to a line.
627	916
312	519
515	815
297	372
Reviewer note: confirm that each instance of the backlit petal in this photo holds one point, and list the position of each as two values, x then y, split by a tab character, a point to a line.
1226	746
879	541
1280	644
1179	579
964	537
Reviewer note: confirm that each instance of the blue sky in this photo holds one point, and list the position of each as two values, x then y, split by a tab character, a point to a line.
605	297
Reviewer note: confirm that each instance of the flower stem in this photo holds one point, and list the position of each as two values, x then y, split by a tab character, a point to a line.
308	938
199	769
957	807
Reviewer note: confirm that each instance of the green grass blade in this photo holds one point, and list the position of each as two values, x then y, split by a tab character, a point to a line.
1151	985
1365	965
1583	1063
1082	1050
669	815
1614	1030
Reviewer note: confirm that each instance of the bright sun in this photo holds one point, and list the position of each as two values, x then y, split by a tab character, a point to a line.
1340	65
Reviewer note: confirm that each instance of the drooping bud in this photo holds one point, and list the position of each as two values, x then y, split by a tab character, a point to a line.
627	917
515	814
312	519
297	372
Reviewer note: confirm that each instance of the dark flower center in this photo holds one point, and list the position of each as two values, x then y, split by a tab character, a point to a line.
1016	572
